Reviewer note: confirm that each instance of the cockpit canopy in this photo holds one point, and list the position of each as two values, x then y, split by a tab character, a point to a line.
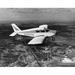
43	30
44	26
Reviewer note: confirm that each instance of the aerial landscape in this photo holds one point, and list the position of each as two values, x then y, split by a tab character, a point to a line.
15	51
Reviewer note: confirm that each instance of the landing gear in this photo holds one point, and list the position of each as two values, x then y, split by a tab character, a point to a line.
49	40
52	38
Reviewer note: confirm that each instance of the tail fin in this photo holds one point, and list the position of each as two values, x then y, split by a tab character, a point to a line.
16	30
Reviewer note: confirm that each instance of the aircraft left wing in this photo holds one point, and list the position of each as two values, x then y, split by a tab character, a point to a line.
37	40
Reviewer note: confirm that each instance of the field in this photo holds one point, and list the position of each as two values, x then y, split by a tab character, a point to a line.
14	51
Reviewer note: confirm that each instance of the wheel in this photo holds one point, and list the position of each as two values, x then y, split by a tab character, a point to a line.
53	38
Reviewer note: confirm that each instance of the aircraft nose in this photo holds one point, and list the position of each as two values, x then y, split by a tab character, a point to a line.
54	31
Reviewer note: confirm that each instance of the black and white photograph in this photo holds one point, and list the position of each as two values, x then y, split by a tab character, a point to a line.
37	37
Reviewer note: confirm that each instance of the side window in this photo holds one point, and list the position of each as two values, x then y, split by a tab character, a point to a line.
42	31
37	31
47	30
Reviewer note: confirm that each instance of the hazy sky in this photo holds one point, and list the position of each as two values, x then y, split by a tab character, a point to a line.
39	15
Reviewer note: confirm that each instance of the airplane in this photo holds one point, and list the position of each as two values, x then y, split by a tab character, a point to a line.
38	34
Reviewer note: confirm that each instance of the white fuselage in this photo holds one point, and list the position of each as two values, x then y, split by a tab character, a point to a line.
36	34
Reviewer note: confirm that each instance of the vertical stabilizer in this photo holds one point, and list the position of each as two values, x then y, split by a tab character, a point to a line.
15	28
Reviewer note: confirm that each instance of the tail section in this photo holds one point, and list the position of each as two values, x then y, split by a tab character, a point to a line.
16	30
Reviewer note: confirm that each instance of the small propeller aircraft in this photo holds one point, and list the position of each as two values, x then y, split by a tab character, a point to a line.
38	34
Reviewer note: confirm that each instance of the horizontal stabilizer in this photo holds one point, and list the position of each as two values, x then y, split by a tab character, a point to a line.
13	34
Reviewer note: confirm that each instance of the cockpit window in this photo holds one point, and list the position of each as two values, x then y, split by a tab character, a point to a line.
42	30
47	30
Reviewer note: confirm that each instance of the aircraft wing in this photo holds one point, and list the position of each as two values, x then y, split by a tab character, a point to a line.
37	40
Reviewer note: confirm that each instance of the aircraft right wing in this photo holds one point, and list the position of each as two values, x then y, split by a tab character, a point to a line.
37	40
